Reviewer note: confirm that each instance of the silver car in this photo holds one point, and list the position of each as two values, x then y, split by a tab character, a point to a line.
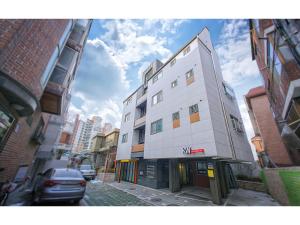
88	171
60	185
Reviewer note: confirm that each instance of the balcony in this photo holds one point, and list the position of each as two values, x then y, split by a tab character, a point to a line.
140	121
141	99
137	148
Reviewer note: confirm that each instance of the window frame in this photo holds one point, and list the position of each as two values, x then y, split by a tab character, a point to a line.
174	82
127	117
186	50
156	77
124	138
176	117
191	109
9	127
156	130
159	99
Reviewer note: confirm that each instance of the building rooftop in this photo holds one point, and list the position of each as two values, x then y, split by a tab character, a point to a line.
254	92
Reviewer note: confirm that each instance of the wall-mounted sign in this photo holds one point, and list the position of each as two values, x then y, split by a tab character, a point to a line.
210	173
190	151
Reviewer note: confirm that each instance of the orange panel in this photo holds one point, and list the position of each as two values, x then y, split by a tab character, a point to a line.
176	123
195	117
190	80
137	148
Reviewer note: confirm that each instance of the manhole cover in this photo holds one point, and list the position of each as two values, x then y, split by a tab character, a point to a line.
155	199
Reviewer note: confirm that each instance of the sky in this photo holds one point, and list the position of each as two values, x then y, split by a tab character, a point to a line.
117	51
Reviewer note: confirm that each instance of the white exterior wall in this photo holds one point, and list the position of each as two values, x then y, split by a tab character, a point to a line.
124	149
210	132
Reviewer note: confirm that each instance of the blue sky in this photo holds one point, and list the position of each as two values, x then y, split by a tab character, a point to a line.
117	51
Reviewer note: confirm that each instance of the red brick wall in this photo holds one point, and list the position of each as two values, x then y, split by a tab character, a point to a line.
269	131
290	71
26	49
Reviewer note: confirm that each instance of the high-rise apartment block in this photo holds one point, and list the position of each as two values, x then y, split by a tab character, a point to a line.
182	125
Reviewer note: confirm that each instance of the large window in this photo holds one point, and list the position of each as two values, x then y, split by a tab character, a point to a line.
194	113
6	121
156	126
236	124
293	116
157	77
176	119
124	138
52	61
157	98
228	90
273	61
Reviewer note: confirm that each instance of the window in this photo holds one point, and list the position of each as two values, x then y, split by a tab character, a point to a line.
127	117
173	62
189	77
201	167
194	109
175	116
52	61
156	126
6	121
176	119
273	61
174	84
236	124
194	113
228	90
157	98
124	138
157	77
186	50
21	174
293	115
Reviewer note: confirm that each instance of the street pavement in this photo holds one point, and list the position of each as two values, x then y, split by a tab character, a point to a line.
101	194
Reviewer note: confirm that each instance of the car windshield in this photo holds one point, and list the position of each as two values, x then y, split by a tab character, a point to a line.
86	167
67	173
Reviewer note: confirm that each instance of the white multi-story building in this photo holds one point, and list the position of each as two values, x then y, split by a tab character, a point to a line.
181	122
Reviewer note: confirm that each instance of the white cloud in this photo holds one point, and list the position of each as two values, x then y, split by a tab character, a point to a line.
102	82
235	53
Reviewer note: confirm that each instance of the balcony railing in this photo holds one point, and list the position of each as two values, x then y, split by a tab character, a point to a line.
137	148
140	121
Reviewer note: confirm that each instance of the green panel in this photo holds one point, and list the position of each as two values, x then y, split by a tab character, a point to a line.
263	178
291	180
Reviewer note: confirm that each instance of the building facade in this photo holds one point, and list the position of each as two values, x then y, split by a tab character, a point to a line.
104	150
268	142
275	46
181	122
38	60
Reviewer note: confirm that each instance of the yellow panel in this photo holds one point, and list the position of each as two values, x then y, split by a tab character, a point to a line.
195	117
190	80
210	173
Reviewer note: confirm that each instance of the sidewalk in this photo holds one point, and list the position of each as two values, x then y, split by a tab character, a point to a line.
194	196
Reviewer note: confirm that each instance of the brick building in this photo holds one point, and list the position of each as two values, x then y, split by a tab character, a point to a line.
38	60
265	129
275	46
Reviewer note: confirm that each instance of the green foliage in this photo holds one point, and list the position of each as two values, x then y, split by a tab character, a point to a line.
291	180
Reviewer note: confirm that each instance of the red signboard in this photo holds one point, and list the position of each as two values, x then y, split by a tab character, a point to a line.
193	151
189	151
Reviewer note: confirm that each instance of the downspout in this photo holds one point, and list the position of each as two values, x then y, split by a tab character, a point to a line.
223	107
